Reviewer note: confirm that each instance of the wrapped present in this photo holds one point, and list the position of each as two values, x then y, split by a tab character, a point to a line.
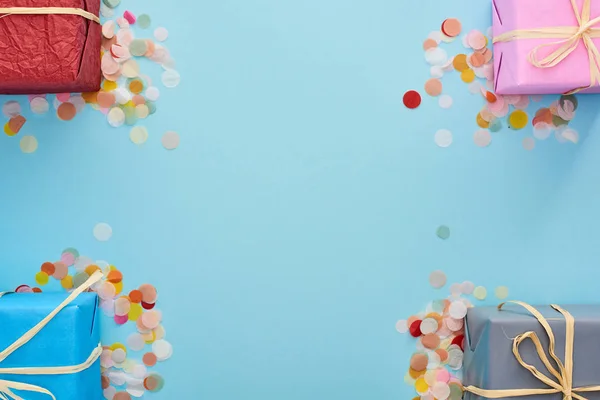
49	345
521	352
49	46
546	46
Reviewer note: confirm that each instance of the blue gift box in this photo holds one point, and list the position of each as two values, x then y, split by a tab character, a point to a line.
68	339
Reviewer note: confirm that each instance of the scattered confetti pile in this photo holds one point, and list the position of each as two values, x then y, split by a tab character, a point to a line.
435	367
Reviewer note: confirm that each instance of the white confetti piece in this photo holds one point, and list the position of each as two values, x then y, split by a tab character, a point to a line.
102	232
443	138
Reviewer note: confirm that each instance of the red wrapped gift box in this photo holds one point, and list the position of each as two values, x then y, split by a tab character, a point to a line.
49	53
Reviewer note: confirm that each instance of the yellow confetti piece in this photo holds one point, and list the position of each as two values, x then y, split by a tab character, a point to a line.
42	278
518	119
109	85
421	386
135	311
8	131
28	144
90	269
67	282
467	76
118	346
119	287
480	293
482	123
501	292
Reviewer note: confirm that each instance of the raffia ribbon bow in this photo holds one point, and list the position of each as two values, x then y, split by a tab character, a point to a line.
570	35
7	387
564	374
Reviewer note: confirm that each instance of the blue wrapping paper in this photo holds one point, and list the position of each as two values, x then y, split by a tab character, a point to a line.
68	339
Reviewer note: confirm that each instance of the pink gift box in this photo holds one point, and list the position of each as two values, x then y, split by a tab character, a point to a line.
513	72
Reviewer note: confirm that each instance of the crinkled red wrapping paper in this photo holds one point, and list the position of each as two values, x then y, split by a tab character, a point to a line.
49	53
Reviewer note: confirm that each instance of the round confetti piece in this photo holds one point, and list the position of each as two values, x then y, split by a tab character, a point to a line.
443	232
170	78
401	326
116	117
28	144
136	342
162	349
39	105
121	395
130	68
482	138
440	390
48	268
122	306
11	109
451	27
60	270
460	62
138	47
433	87
105	99
135	311
476	40
129	16
138	135
445	101
415	328
443	138
421	386
467	75
102	232
148	306
467	287
8	131
90	269
151	319
143	21
436	71
118	356
518	119
453	324
142	111
528	143
149	359
436	56
152	93
495	125
66	111
437	279
161	34
135	296
120	319
108	29
106	290
170	140
42	278
429	44
411	99
501	292
429	325
16	123
457	309
480	293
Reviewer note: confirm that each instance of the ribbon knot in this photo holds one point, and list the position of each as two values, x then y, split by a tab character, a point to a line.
563	372
7	387
571	37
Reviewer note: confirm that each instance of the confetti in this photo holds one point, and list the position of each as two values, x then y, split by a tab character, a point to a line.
102	232
482	138
412	99
170	78
433	87
528	143
138	135
443	138
451	27
28	144
501	292
445	101
143	21
480	293
129	16
161	34
39	105
443	232
116	117
437	279
170	140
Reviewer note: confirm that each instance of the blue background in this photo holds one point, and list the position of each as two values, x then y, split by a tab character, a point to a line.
296	221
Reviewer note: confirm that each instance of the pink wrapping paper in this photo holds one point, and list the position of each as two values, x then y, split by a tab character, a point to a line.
513	72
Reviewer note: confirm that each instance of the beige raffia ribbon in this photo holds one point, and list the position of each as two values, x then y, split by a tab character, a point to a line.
564	375
570	35
48	11
7	387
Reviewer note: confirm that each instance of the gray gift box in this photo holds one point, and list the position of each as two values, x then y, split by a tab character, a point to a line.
489	362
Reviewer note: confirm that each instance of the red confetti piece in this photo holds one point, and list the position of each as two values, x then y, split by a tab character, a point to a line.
412	99
415	328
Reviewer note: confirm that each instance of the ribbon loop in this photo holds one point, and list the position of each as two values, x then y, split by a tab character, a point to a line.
570	40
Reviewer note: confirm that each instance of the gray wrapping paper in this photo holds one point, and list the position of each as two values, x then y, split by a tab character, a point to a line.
489	362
